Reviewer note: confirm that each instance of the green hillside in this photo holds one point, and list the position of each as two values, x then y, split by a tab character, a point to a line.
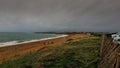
81	54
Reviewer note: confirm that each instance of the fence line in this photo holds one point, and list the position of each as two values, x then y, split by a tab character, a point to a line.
109	53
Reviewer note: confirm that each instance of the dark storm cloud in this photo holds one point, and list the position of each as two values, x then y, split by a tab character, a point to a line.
59	15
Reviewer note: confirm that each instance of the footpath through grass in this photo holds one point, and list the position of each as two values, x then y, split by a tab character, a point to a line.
81	54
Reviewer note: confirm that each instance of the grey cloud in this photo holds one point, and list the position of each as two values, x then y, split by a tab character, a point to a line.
59	15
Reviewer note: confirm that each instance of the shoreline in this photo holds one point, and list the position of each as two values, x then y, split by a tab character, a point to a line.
30	41
11	51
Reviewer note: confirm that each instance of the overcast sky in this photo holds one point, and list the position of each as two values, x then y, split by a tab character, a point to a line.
59	15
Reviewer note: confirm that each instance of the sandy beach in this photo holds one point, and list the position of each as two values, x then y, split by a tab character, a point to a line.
18	49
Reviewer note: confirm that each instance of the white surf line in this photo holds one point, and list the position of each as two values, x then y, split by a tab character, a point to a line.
37	40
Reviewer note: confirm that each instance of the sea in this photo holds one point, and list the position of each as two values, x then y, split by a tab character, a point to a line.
18	37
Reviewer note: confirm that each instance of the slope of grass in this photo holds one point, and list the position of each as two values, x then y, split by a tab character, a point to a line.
81	54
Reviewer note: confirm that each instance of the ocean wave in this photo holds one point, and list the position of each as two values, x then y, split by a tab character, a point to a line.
8	43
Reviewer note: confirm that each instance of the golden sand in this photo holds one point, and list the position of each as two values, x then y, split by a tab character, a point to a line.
9	52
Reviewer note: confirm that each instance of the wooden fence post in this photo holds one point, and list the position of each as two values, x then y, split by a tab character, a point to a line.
102	45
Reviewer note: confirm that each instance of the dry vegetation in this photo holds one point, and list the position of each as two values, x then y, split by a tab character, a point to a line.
9	52
82	53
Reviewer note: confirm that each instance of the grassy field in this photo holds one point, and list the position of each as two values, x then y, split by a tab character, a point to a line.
81	54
